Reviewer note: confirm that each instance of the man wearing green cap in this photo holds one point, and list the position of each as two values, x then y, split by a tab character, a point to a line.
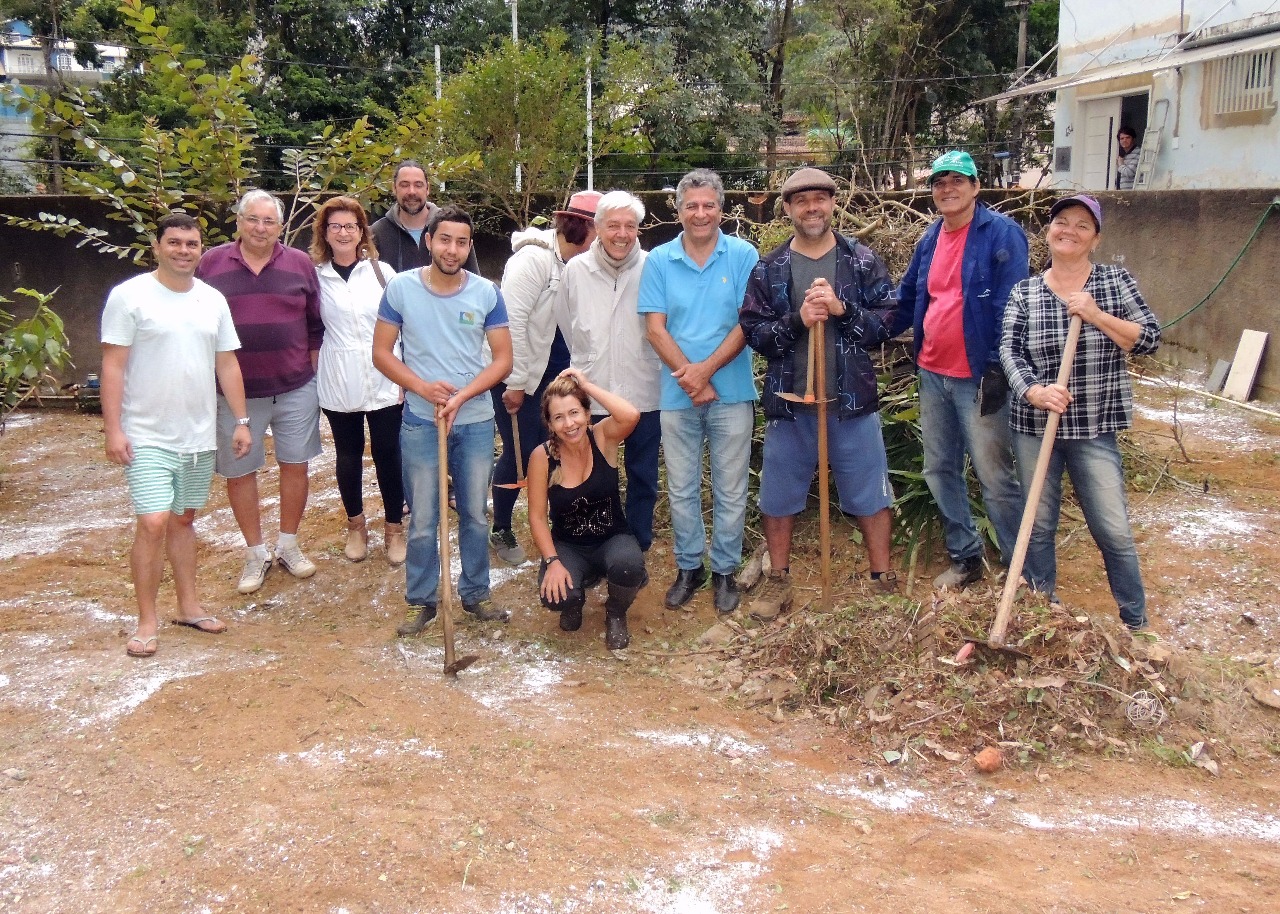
953	294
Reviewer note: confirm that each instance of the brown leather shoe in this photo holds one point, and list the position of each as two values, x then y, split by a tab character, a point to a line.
357	539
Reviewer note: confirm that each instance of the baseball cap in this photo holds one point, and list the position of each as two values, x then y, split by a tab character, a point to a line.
958	161
1084	200
582	204
803	179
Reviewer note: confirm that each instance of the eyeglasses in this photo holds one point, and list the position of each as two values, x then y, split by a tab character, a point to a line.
256	221
340	227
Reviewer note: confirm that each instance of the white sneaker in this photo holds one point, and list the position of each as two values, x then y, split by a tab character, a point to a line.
254	573
295	562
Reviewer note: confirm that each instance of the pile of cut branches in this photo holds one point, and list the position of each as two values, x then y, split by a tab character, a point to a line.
887	669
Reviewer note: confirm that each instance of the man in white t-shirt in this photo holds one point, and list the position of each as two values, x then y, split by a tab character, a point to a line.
165	336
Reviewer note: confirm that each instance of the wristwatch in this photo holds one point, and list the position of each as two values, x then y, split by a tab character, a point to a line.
243	421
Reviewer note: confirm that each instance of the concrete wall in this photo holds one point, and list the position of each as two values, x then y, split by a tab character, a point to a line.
1177	243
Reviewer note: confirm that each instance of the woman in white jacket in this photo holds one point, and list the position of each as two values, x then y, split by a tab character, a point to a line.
530	282
352	391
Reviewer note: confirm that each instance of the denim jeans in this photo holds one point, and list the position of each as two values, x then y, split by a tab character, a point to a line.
470	457
951	426
640	463
726	430
1096	474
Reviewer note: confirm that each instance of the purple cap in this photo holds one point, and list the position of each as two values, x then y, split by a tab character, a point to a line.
1084	200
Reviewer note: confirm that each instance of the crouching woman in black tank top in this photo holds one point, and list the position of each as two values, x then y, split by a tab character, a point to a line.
573	479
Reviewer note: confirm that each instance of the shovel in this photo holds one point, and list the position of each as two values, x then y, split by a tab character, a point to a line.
451	665
515	437
818	368
1004	611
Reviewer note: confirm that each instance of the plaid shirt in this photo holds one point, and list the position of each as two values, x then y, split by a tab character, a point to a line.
1035	332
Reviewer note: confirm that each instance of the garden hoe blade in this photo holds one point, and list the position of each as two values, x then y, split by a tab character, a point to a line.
451	664
515	437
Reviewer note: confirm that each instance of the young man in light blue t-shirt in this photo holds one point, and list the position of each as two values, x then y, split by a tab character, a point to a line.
690	293
443	315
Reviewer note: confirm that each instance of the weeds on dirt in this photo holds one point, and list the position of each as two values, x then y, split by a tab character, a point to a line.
890	669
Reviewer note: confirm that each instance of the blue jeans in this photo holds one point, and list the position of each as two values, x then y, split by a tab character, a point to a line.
726	430
470	457
1096	474
640	462
951	427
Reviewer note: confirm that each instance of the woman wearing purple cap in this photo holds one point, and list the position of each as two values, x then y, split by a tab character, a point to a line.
1097	403
530	282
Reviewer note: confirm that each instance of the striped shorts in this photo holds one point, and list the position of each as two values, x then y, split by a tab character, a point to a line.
164	480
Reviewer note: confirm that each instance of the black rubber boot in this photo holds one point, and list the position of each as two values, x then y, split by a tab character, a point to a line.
571	615
620	598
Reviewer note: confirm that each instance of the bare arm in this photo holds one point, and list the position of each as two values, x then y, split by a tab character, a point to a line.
227	367
556	581
614	428
111	394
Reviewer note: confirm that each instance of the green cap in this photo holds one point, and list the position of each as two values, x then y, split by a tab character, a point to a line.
956	160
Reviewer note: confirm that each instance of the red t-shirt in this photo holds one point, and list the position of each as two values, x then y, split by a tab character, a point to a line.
943	351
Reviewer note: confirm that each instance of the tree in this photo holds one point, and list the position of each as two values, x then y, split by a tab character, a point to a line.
525	104
202	159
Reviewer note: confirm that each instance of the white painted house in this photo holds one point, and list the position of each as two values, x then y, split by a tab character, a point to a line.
1196	80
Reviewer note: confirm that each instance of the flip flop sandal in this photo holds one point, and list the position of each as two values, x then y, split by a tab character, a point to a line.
149	646
217	625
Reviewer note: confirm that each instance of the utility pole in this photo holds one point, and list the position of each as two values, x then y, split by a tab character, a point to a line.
515	41
1019	117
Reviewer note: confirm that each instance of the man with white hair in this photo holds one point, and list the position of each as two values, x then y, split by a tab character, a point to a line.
274	296
596	311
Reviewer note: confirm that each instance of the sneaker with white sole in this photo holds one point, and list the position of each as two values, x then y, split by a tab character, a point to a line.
295	562
254	573
507	547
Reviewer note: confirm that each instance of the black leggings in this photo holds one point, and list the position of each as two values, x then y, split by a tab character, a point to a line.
384	445
618	559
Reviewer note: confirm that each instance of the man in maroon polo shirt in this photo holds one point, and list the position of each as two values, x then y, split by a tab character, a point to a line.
274	296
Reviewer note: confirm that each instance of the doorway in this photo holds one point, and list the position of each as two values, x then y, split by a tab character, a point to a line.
1102	117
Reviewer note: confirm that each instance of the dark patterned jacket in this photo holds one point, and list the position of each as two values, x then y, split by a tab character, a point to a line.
772	327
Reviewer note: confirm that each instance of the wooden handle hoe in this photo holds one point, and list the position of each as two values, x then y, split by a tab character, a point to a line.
515	437
814	346
1004	611
819	367
451	665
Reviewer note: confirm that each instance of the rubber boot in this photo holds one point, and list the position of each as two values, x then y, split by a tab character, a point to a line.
620	598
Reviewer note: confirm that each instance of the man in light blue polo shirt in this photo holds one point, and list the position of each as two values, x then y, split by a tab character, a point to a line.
690	293
443	315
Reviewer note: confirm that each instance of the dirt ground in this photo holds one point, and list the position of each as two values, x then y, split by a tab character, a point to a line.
307	760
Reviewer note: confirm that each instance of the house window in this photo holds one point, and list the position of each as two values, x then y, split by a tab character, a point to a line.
1241	84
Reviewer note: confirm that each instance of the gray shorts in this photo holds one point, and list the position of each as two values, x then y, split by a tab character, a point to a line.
294	420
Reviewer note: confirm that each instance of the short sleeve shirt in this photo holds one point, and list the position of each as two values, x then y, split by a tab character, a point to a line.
443	336
170	397
701	305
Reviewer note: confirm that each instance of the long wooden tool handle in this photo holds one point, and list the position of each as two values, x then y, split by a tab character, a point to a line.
1004	612
824	483
515	436
445	585
813	347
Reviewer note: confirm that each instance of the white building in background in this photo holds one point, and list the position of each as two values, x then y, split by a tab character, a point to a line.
1196	80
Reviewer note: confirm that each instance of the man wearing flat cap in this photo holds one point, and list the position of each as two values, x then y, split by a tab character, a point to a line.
819	276
953	295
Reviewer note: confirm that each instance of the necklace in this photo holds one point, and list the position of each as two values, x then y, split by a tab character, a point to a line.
431	286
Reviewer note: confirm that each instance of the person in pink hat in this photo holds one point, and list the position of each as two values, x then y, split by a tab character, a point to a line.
530	282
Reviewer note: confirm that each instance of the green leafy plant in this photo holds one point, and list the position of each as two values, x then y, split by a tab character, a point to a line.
30	350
